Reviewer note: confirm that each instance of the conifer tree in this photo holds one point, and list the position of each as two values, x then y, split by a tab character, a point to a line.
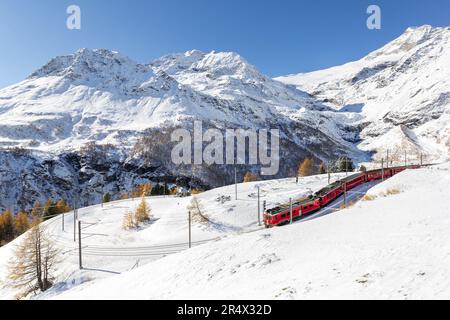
106	197
305	168
124	195
250	177
37	211
143	212
142	189
49	209
128	221
6	227
61	207
34	262
21	223
322	168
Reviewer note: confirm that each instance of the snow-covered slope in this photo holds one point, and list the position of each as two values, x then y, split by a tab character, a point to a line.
393	247
109	250
401	92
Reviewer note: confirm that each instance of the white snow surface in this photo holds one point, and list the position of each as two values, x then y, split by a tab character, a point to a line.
396	246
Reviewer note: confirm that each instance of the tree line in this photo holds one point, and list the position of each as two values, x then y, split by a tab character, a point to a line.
13	225
307	166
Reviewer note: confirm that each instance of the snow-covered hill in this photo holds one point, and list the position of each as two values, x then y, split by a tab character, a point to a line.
400	92
109	250
395	246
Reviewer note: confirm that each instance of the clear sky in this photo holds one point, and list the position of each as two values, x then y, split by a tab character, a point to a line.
278	36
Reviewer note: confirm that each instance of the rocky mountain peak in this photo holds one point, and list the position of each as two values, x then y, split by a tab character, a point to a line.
94	64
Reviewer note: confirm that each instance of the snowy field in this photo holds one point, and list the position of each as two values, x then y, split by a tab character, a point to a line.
109	250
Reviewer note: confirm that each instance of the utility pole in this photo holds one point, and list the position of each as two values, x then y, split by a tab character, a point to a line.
190	234
405	159
387	158
62	218
235	181
74	218
328	171
164	188
259	208
103	191
421	159
290	208
346	168
345	194
79	245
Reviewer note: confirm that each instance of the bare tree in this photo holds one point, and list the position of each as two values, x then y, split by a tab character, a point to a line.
34	261
197	211
129	222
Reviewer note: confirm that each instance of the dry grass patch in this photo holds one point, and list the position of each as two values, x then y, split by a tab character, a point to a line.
391	192
369	197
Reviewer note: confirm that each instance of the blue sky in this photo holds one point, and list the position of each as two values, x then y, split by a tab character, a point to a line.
278	36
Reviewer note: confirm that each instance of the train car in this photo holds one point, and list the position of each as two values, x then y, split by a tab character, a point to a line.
384	173
329	193
281	215
354	181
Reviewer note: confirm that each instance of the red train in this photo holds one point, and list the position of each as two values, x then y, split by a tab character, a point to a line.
282	214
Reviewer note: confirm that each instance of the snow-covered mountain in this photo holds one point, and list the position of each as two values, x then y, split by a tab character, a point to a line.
131	109
396	96
401	92
101	96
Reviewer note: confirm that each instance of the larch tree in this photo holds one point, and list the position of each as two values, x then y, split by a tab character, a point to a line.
250	177
49	209
6	227
35	258
305	168
37	210
61	207
322	168
142	190
143	211
128	221
21	223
